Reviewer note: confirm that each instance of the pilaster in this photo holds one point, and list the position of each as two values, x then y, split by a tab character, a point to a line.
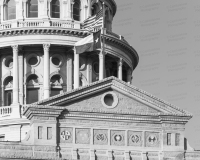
21	75
89	70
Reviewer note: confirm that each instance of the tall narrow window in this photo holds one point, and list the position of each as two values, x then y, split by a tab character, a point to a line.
56	85
10	10
55	9
177	139
32	89
168	139
76	10
32	8
8	96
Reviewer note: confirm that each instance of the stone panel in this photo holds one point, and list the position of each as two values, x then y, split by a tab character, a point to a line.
152	139
82	136
100	137
135	138
66	135
117	138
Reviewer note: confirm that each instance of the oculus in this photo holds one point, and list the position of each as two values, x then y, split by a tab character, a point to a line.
109	100
8	62
56	60
33	60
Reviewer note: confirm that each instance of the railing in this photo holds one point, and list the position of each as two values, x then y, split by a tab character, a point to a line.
116	36
27	23
5	111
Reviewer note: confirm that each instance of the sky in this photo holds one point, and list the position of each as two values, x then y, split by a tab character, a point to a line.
166	36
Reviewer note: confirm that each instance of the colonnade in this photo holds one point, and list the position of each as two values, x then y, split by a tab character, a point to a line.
46	71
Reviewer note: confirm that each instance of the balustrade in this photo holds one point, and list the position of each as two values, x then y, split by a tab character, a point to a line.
5	111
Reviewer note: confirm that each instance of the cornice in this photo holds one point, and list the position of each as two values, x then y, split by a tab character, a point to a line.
107	83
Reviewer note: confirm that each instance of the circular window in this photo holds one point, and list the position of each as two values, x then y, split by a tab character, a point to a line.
109	100
56	60
9	63
33	61
96	67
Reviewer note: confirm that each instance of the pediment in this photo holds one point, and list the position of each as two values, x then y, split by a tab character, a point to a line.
130	100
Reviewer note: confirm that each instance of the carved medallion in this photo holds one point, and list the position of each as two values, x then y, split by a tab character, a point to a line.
117	138
100	137
152	139
82	136
66	135
134	138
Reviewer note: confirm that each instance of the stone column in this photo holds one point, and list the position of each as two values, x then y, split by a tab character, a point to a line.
2	95
76	69
120	64
24	9
129	75
46	81
69	72
2	13
89	70
21	75
89	8
15	76
101	65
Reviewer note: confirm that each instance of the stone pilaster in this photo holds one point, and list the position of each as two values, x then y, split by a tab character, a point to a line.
110	155
15	76
89	8
92	154
120	64
127	156
46	74
76	69
69	72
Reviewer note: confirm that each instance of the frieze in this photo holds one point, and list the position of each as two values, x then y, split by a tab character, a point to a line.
73	121
173	125
118	153
14	154
117	138
135	154
82	136
16	147
100	137
66	135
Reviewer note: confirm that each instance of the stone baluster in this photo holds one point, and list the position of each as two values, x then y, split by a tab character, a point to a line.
46	82
15	76
76	69
120	64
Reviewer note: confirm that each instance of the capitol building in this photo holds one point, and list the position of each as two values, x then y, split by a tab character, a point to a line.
57	104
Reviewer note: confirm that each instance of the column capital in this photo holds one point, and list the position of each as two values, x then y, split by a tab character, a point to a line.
120	62
46	46
15	48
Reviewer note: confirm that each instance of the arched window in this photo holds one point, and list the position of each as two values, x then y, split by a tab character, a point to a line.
32	89
55	9
95	9
76	10
8	93
10	10
56	85
32	8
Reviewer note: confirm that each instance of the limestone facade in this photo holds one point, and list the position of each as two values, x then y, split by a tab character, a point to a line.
56	104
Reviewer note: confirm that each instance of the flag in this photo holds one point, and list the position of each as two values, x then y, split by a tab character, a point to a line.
89	43
94	23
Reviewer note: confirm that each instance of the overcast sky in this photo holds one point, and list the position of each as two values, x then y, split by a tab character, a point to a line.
166	35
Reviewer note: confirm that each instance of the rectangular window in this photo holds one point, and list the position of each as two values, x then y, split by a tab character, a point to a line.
32	95
177	139
49	132
39	132
168	139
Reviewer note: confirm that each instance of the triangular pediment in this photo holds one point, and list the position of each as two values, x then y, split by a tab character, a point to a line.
114	96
